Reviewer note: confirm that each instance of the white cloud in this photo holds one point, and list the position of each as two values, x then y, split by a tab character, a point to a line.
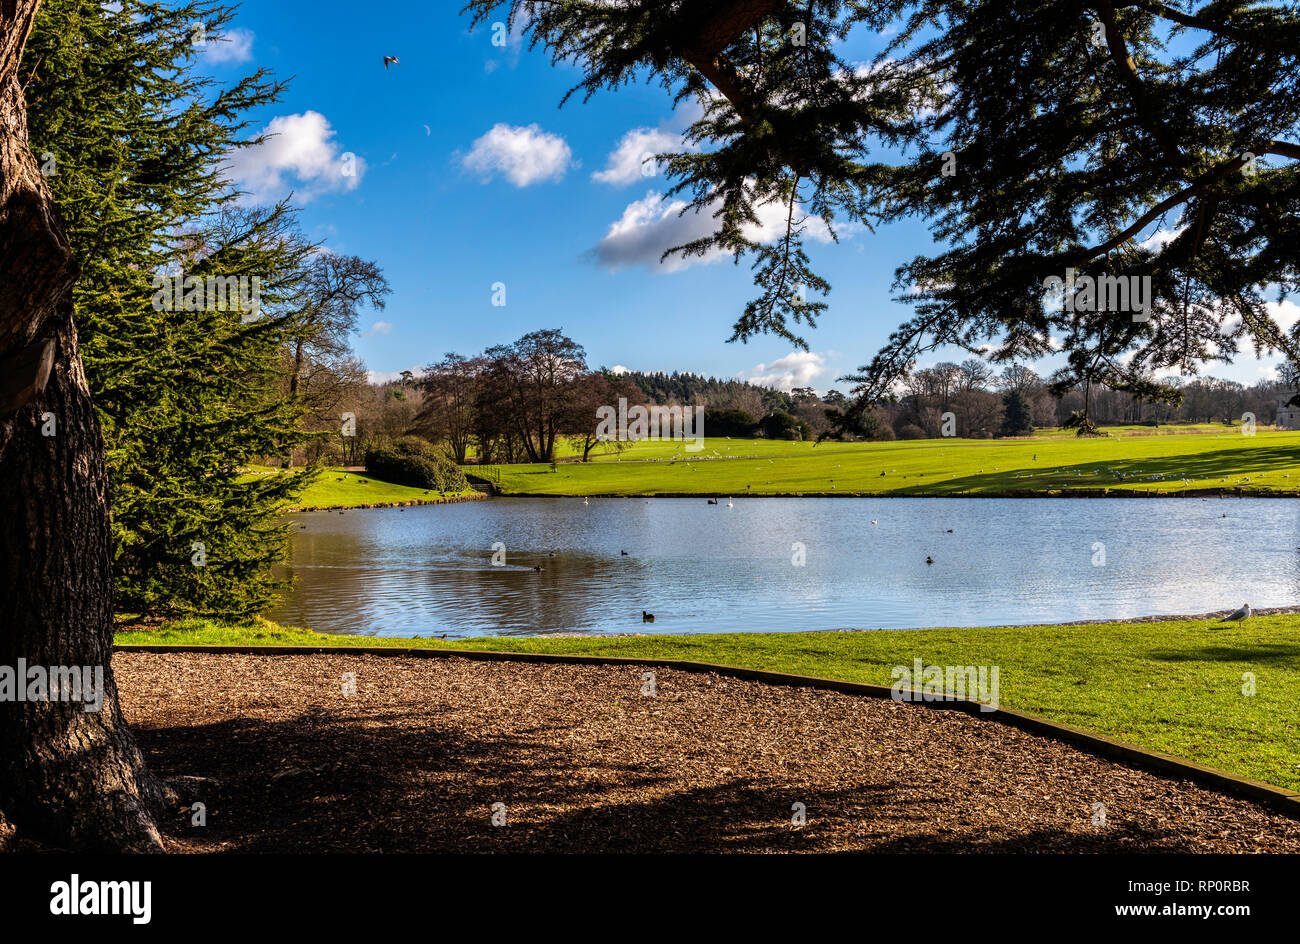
883	71
633	159
524	156
619	369
299	154
648	227
1161	238
379	327
1285	313
796	369
235	45
390	376
652	224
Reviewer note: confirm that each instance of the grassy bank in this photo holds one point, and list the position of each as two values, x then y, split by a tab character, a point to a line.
1174	686
335	488
1267	462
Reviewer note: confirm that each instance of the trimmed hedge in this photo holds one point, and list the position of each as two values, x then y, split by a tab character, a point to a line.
414	462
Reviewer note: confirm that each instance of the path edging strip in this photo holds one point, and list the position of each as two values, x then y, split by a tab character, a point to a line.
1288	801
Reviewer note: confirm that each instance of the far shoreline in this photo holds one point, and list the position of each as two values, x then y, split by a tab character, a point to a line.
447	500
1051	493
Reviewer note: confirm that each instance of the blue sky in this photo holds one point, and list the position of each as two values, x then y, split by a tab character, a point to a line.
468	174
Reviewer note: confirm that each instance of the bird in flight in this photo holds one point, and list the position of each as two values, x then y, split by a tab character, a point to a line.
389	60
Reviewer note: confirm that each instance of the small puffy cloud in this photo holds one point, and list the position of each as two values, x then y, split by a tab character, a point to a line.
1285	313
379	327
523	156
619	369
633	159
796	369
653	224
883	71
235	45
1161	238
648	227
299	153
379	377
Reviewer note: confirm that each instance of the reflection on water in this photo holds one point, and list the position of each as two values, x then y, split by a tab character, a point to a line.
710	568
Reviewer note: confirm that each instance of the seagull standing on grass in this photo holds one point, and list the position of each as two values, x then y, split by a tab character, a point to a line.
1237	616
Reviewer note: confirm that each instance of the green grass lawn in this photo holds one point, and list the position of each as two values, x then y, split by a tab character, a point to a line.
336	488
1266	462
1174	686
567	449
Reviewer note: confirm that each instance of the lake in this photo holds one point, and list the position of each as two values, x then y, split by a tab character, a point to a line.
709	568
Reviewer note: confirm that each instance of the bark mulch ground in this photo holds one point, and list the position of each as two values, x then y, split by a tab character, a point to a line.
582	761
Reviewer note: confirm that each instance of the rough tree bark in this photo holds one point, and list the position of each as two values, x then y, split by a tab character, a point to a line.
70	777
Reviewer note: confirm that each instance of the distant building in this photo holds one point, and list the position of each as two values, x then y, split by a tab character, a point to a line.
1288	417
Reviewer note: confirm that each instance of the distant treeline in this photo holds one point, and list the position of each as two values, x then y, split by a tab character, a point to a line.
516	402
982	403
692	388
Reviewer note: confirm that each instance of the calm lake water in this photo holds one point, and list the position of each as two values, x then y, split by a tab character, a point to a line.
709	568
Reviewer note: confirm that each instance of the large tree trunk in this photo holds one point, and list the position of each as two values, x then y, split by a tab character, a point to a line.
68	776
